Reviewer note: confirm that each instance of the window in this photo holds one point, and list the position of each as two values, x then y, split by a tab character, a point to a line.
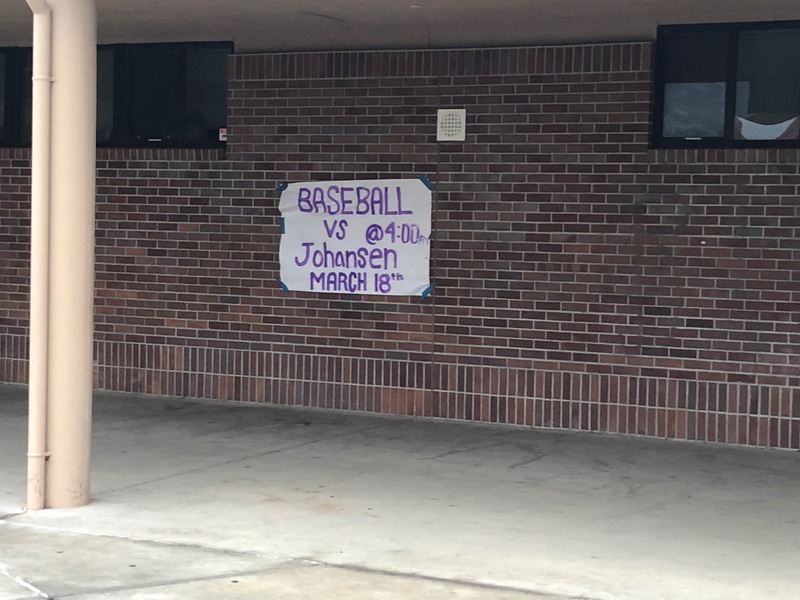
172	95
728	85
14	89
2	97
162	95
105	96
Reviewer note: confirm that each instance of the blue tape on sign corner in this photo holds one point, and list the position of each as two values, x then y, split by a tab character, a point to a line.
428	291
284	287
426	181
282	224
282	187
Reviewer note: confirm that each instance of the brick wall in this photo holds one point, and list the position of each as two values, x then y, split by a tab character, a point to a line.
582	280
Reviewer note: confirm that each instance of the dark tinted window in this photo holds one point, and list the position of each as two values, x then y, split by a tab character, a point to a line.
105	96
26	97
147	95
728	85
768	85
15	96
206	94
171	94
695	87
155	91
2	98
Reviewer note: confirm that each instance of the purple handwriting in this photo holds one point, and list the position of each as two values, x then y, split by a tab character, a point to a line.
359	258
353	282
349	200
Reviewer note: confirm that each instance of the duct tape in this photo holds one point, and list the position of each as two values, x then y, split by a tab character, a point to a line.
426	181
428	291
282	224
284	287
282	187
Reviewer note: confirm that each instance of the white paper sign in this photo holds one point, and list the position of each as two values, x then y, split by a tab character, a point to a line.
357	237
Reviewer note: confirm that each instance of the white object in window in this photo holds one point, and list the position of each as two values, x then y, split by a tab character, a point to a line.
750	130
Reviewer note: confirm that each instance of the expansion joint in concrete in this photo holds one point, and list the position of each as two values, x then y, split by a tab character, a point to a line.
456	581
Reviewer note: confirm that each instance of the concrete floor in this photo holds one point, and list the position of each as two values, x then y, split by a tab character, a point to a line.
202	500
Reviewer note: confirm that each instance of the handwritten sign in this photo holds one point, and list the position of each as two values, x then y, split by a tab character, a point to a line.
357	237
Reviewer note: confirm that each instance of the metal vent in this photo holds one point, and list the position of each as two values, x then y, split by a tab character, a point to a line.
451	125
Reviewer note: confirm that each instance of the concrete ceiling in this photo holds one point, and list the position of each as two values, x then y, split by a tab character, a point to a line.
353	24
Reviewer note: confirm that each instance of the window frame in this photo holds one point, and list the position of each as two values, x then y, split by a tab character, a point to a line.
732	31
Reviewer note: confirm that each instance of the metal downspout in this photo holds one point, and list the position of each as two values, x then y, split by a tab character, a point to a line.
40	252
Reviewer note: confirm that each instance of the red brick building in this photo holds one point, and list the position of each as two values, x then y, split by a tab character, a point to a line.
584	278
